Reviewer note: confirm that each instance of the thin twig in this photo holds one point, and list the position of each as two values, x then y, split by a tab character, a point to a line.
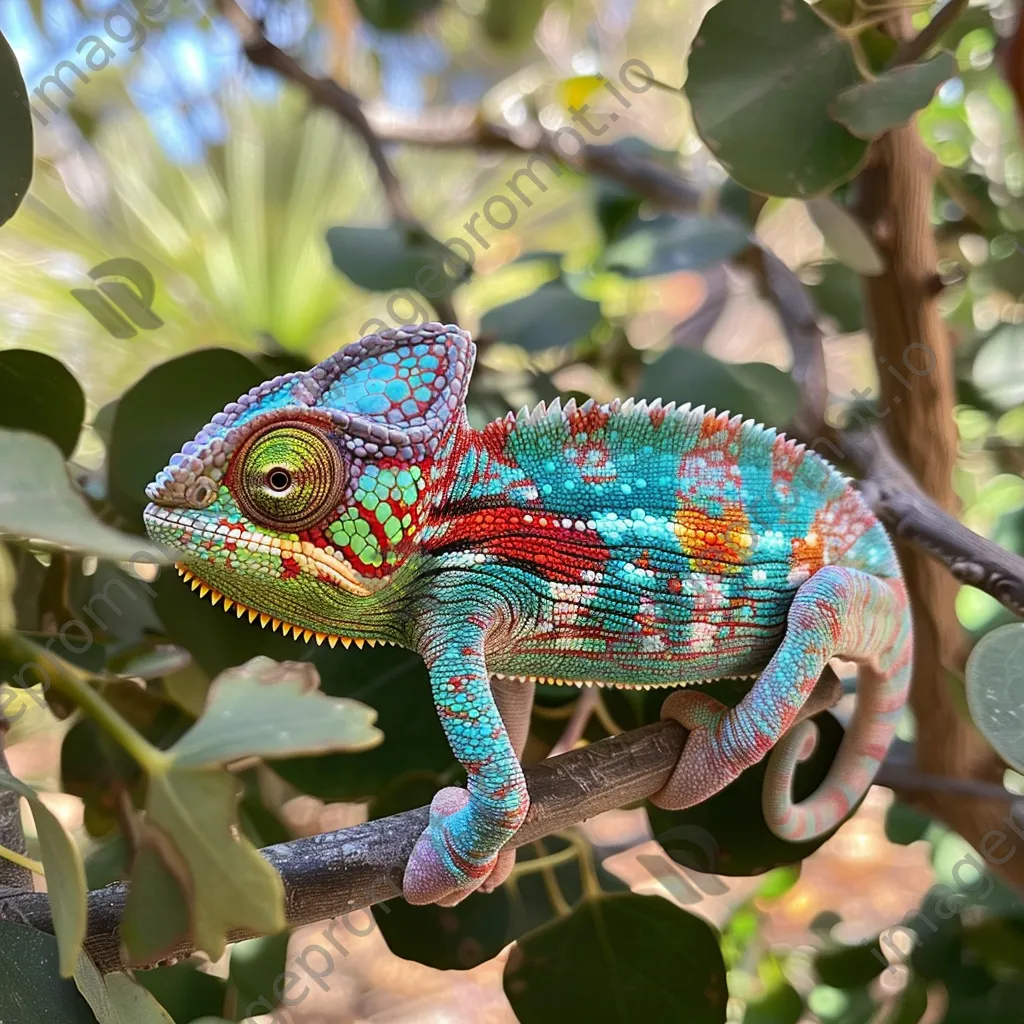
577	724
919	45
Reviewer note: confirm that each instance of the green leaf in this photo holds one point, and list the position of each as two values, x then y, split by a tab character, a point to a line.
998	370
905	825
837	294
395	683
156	915
782	1005
727	834
845	236
512	24
394	15
39	393
391	680
267	709
193	852
447	938
65	875
871	108
755	390
192	823
116	999
619	958
185	992
851	966
552	316
913	1003
762	77
383	259
32	991
672	243
995	691
254	967
16	131
162	411
38	504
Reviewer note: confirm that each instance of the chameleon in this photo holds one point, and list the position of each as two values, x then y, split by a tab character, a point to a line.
628	544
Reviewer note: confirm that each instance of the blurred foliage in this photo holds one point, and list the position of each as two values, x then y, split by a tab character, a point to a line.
263	226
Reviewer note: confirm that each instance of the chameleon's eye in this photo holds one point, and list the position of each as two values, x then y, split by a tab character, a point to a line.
288	476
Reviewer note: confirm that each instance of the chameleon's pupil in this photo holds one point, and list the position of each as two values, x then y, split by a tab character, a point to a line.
279	480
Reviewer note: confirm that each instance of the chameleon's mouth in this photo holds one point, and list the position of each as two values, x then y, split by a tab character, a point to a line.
286	628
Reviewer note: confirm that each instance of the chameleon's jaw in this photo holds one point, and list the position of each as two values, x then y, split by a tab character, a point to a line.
299	632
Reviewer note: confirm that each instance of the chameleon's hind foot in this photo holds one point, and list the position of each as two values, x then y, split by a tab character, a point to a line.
704	767
437	871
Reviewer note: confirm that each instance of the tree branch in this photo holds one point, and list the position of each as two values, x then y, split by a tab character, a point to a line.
347	870
353	868
917	46
913	517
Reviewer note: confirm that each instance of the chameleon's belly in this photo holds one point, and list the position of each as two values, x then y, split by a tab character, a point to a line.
652	623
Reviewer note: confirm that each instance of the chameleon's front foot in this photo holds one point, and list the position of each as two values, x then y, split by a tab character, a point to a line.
440	869
711	758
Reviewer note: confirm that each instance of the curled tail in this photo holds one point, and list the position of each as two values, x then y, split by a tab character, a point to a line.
865	618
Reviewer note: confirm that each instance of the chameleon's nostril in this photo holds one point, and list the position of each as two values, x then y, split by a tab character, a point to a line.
201	492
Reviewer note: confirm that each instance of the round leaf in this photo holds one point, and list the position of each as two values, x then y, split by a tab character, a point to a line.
39	393
995	691
998	370
871	108
166	408
382	259
16	132
837	294
394	15
761	79
512	24
619	958
670	244
551	316
845	236
32	991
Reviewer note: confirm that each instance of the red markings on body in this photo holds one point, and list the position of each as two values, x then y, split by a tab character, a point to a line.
588	422
535	540
289	568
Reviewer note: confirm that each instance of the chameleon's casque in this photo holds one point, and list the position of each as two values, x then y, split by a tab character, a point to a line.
626	544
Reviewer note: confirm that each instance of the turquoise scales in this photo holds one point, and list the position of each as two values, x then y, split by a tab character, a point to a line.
627	544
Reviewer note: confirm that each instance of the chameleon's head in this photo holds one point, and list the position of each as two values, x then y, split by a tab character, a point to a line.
301	500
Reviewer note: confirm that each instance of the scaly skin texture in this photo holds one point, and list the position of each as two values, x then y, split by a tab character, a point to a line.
626	544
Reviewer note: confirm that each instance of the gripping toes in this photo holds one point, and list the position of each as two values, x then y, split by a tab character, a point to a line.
440	870
705	765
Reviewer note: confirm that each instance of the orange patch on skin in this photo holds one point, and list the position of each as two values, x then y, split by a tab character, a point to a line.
711	541
807	553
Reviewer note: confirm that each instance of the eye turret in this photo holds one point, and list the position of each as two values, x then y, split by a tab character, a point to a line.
288	476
